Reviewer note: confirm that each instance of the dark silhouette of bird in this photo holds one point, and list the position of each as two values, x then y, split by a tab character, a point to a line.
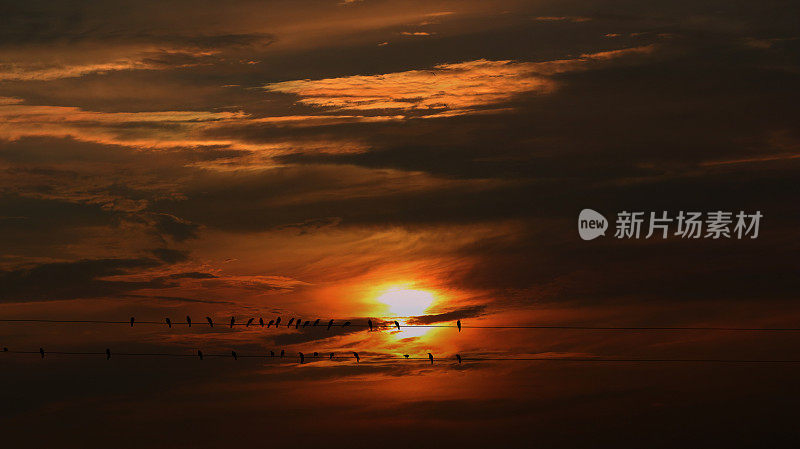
282	352
249	322
458	357
430	356
270	323
261	322
346	323
235	357
200	354
272	353
169	323
277	321
458	323
189	320
290	322
41	352
297	325
232	321
316	354
330	323
5	349
302	358
306	323
210	321
108	354
405	355
316	321
355	354
397	325
331	356
132	320
369	323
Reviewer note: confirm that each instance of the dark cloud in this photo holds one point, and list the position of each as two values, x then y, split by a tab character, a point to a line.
459	314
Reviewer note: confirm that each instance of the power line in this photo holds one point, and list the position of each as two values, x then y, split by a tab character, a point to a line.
223	324
392	358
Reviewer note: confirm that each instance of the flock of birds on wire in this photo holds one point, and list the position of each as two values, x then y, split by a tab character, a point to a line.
276	322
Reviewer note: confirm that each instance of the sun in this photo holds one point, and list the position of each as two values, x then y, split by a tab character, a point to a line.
406	302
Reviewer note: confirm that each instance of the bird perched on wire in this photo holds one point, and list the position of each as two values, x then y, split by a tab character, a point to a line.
270	323
249	322
200	354
405	355
307	323
316	354
330	323
169	323
369	323
458	323
233	354
272	353
316	321
397	325
346	323
108	354
210	321
355	354
261	322
277	321
290	322
232	321
189	320
5	349
41	352
297	325
132	320
331	356
282	352
302	358
458	357
430	356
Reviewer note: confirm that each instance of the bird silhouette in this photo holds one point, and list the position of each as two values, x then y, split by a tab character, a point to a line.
41	352
132	320
108	354
302	358
346	323
290	322
233	354
189	320
277	321
306	323
331	356
458	323
200	354
272	353
355	354
330	323
282	352
261	322
297	325
397	325
169	323
249	322
405	355
270	323
5	349
459	359
210	321
369	323
430	356
316	354
232	321
316	321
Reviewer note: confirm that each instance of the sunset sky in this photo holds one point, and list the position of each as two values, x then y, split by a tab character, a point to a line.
419	161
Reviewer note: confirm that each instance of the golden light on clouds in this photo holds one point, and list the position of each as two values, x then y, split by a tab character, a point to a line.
403	301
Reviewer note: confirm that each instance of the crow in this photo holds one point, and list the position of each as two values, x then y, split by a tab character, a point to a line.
355	354
232	321
405	355
430	356
459	359
249	322
458	323
233	354
297	325
132	320
282	352
369	323
210	322
41	351
331	356
270	323
330	323
272	353
302	358
200	354
290	322
189	320
108	354
316	322
316	354
169	323
397	325
277	321
261	322
306	323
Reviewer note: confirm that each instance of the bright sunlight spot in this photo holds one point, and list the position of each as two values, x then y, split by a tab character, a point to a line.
406	302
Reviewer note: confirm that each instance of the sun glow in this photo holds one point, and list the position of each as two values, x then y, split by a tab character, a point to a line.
406	302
